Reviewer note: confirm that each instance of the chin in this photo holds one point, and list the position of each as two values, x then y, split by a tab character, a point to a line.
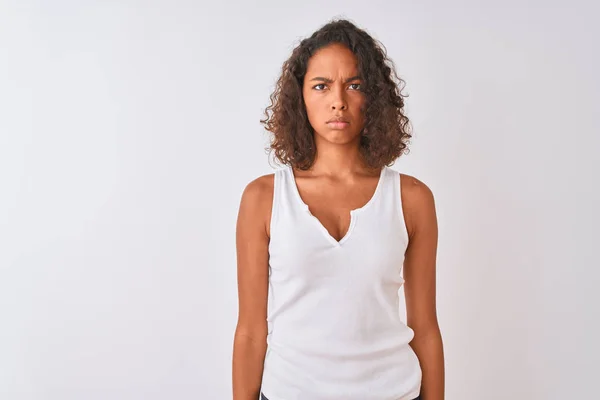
341	136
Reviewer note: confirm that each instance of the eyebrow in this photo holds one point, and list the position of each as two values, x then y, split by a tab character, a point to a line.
327	80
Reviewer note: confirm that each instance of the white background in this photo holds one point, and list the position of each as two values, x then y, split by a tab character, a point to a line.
128	131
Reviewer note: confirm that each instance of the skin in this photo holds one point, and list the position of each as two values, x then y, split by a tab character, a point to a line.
338	182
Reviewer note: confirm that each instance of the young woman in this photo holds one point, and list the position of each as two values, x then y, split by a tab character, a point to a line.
325	243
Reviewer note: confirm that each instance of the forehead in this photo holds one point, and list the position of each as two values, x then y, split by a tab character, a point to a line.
335	59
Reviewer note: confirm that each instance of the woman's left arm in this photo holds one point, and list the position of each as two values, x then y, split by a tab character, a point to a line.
420	284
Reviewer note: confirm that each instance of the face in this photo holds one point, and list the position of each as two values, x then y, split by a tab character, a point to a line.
332	89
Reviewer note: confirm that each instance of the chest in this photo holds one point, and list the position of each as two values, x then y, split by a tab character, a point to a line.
302	249
335	207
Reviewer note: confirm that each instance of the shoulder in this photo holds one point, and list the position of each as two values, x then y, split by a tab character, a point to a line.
256	200
418	202
414	190
258	190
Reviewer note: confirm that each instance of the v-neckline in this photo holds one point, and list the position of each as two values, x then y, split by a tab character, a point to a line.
322	228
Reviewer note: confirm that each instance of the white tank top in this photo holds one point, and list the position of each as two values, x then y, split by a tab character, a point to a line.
334	328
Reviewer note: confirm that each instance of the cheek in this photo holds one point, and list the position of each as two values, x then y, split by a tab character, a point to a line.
361	103
360	108
313	106
360	114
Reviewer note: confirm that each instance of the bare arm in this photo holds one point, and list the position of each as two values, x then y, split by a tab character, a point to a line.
252	238
420	284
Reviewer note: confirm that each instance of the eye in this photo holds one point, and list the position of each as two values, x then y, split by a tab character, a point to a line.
320	84
356	84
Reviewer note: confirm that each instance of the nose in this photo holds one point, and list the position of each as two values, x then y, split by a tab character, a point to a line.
339	106
339	101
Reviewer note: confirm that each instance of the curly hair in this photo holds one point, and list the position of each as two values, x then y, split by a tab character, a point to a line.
386	132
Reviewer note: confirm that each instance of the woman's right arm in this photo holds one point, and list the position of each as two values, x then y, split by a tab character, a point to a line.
252	239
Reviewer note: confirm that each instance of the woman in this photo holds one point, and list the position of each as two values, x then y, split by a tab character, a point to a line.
321	243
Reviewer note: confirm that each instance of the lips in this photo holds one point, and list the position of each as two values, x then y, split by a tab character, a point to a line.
338	124
338	119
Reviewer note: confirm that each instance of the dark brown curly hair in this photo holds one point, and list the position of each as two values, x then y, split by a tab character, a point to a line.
386	131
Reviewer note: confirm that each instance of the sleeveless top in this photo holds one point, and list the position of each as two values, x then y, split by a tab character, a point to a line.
334	328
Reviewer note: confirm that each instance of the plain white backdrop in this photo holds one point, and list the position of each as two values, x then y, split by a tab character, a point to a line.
129	129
